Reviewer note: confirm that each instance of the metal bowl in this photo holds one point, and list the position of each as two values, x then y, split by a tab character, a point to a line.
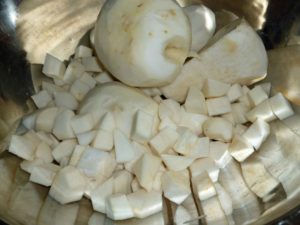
30	28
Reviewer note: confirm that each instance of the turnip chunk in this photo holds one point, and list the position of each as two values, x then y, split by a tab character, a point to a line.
218	106
171	109
99	195
62	125
122	181
186	141
73	72
68	185
281	107
176	162
64	150
239	129
213	88
135	186
257	133
204	186
193	121
125	151
257	95
142	127
218	129
28	166
145	203
139	151
240	148
145	170
239	112
44	174
79	89
107	122
203	24
41	99
47	138
167	122
83	51
205	164
226	202
219	153
261	111
65	99
164	140
154	41
45	119
200	149
82	123
234	92
88	79
103	77
195	101
51	88
176	186
76	155
22	147
182	215
213	211
44	152
53	67
29	120
118	207
86	138
266	87
91	64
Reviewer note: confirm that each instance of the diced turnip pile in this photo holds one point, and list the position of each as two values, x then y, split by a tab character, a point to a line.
176	138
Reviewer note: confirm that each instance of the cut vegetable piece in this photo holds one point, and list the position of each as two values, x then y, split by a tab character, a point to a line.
107	122
257	133
44	174
59	82
83	51
218	106
229	117
76	155
214	88
167	43
123	147
118	207
164	140
151	92
246	101
219	153
182	215
88	79
122	182
186	142
213	211
171	109
22	147
145	203
53	67
191	207
195	101
41	99
51	88
240	148
239	112
257	95
99	195
204	186
205	164
44	152
73	72
103	77
258	178
62	125
82	123
28	166
97	219
225	200
201	148
192	121
64	150
65	99
203	25
218	129
91	64
266	87
234	92
239	129
281	107
176	186
29	121
45	119
157	182
262	111
177	163
68	185
47	138
86	138
139	151
145	170
142	127
33	138
135	186
167	122
79	89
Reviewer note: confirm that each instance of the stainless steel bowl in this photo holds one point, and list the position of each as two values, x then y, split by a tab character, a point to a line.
30	28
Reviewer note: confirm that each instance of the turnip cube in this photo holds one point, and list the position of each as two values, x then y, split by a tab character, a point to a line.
68	185
33	138
82	123
229	117
65	99
103	77
257	133
170	108
88	79
47	138
176	186
62	128
281	107
44	174
91	64
257	95
195	102
45	119
135	186
246	101
239	129
239	111
28	166
53	67
261	111
139	151
245	90
44	152
51	88
235	92
266	87
167	122
123	147
145	169
218	129
118	207
240	149
104	140
83	51
176	162
122	182
86	138
29	121
22	147
192	121
59	82
107	122
214	88
219	153
76	155
145	203
64	150
73	72
79	89
99	195
157	182
142	127
200	149
41	99
218	106
205	164
204	186
164	140
186	142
